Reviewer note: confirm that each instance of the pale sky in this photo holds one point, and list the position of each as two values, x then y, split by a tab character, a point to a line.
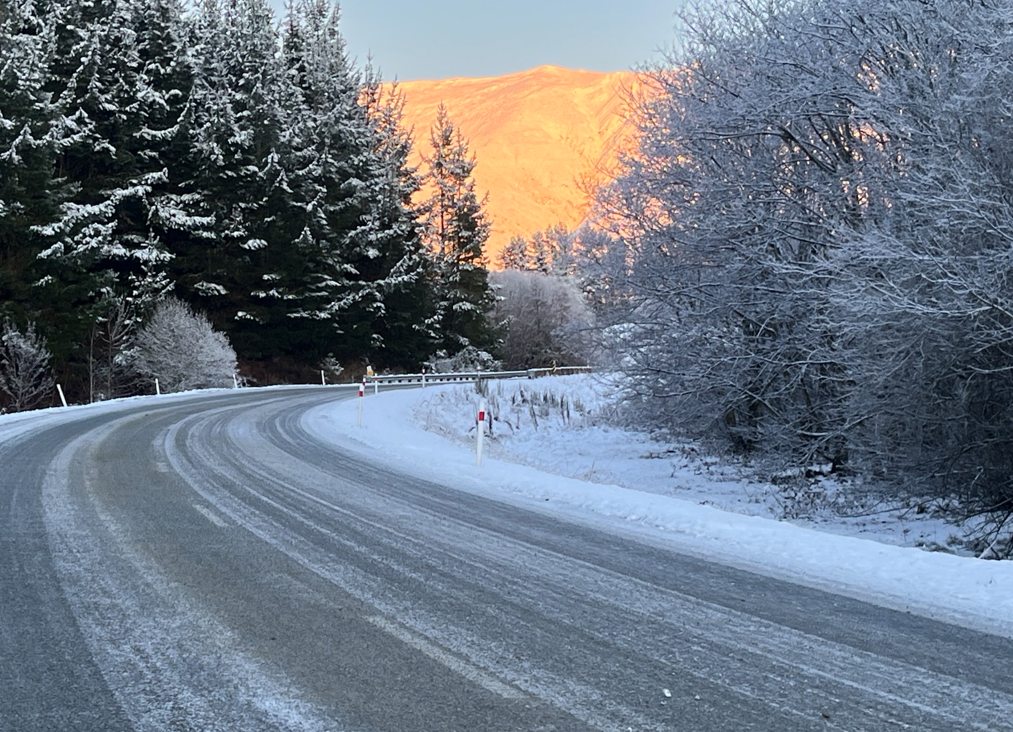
436	39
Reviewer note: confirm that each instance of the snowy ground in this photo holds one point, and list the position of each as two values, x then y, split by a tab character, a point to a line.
551	450
560	425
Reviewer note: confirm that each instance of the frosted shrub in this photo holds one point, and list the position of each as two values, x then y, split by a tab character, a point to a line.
180	348
25	378
541	404
468	359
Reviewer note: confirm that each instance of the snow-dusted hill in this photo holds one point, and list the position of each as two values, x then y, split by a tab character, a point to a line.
539	136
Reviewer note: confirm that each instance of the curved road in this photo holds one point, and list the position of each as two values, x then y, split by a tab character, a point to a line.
205	564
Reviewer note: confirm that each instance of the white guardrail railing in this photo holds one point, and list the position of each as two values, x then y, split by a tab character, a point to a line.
466	376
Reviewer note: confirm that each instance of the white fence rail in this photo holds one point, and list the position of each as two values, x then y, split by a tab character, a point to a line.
469	376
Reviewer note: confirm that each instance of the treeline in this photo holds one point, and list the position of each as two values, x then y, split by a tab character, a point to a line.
149	148
814	254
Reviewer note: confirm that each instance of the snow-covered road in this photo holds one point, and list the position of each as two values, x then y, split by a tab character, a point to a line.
229	561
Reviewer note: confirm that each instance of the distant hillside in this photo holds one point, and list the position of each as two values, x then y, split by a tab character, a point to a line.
537	135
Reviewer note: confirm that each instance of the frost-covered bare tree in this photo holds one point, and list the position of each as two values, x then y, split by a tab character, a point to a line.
728	211
180	348
815	237
544	317
924	296
25	377
111	372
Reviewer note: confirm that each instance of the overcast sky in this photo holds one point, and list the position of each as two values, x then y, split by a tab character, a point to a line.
436	39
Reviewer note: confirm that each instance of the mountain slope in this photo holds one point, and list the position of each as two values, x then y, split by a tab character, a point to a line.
539	136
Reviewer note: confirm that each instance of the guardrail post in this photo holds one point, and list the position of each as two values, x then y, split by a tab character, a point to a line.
362	394
480	428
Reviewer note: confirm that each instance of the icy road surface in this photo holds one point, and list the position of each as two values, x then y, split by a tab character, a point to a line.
204	563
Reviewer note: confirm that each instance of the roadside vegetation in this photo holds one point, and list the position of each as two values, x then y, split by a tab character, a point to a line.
161	150
811	252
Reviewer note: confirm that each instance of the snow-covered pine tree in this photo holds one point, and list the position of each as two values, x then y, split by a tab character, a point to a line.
327	136
228	220
542	252
335	169
166	82
563	245
353	181
455	230
28	193
115	108
399	331
338	181
514	255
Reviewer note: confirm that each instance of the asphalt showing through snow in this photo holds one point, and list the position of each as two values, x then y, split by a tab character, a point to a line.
205	564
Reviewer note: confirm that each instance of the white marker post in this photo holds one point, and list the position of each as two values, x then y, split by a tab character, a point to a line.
362	395
235	382
63	399
423	378
480	428
158	389
323	379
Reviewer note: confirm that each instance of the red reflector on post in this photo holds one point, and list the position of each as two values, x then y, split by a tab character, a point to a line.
481	416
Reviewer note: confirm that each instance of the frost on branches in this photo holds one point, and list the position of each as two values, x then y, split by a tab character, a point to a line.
25	378
814	241
181	349
544	320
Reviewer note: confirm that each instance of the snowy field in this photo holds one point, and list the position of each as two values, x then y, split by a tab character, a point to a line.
551	450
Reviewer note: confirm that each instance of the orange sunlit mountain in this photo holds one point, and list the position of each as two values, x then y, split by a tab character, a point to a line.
538	137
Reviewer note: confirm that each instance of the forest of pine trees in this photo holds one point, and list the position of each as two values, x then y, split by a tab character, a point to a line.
151	148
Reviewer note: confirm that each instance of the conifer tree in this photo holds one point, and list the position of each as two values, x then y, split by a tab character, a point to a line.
407	304
228	202
455	229
542	252
28	192
352	179
116	89
515	254
334	183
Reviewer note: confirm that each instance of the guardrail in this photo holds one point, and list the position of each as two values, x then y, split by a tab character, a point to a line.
469	376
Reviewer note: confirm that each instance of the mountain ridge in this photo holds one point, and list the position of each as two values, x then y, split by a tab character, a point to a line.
541	138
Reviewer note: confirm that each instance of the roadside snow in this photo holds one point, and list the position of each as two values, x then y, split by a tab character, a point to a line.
550	452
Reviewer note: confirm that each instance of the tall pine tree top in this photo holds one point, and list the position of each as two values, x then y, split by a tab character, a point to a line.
455	228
